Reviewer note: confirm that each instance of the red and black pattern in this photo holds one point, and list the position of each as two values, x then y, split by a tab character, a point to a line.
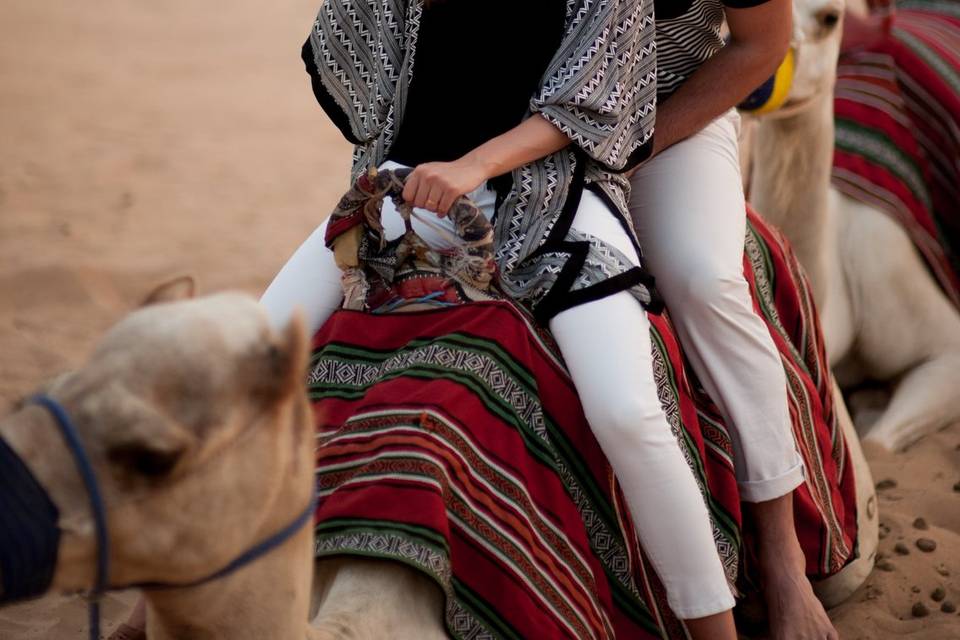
451	439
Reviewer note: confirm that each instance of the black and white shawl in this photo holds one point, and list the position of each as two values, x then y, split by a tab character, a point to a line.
599	89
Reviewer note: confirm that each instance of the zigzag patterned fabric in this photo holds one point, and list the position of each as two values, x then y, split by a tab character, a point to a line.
898	130
599	89
452	440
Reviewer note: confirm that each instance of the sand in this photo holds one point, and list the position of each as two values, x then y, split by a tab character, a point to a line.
142	140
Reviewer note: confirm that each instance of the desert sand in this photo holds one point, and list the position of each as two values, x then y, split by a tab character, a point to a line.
143	140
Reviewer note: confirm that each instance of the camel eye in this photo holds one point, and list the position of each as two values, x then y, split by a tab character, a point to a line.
144	460
828	19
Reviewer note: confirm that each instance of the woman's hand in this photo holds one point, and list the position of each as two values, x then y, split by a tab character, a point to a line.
435	186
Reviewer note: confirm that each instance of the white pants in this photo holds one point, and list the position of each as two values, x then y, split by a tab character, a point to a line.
688	208
606	345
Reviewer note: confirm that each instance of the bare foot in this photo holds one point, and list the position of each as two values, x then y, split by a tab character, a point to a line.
793	610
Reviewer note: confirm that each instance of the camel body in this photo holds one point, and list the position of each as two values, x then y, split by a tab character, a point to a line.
884	316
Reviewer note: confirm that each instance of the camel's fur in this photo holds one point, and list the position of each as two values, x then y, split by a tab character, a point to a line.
884	317
195	418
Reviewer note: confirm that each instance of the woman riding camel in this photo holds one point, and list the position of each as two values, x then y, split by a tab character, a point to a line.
534	110
537	110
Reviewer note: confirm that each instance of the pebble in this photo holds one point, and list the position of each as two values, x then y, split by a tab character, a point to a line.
926	545
921	524
956	487
915	589
920	610
885	565
890	483
902	549
948	607
938	594
942	570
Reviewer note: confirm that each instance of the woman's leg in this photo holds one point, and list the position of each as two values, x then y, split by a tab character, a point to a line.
689	212
606	346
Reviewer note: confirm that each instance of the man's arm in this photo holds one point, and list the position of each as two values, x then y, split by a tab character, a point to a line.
759	39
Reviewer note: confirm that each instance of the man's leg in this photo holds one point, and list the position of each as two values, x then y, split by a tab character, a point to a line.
689	211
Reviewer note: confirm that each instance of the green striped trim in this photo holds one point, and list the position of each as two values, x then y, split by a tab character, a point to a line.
479	609
856	139
724	520
931	57
948	7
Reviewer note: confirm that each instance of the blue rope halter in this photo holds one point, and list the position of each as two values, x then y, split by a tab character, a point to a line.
101	583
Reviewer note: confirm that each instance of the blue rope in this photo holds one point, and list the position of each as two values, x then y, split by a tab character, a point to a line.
72	439
260	549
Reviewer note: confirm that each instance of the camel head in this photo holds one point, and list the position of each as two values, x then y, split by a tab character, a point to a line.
818	28
194	415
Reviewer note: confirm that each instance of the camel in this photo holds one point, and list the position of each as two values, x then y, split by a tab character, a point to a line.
176	406
884	317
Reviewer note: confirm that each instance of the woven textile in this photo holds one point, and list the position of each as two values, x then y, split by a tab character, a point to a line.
452	440
898	130
599	89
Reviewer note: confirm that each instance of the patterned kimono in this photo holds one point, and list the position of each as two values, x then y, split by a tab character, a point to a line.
599	89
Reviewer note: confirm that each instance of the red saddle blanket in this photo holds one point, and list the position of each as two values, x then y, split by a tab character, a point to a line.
898	130
452	440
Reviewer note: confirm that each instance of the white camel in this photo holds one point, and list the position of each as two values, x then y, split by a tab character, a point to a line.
884	317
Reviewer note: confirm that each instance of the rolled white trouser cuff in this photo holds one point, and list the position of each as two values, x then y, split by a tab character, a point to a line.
705	606
774	487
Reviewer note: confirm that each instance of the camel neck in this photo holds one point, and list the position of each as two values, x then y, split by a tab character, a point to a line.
790	182
267	599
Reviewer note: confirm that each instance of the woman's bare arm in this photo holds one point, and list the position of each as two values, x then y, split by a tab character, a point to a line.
435	186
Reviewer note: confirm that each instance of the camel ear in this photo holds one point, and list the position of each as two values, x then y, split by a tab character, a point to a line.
280	370
180	288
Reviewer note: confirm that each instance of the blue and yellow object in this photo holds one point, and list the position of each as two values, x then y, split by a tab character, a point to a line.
771	95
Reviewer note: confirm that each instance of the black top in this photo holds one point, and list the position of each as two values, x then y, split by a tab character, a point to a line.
477	65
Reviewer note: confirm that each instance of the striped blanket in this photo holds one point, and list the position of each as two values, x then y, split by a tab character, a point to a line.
452	440
898	130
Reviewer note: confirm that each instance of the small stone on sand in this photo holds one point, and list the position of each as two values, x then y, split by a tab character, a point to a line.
938	594
902	549
921	524
885	565
926	545
888	483
920	610
948	607
942	570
